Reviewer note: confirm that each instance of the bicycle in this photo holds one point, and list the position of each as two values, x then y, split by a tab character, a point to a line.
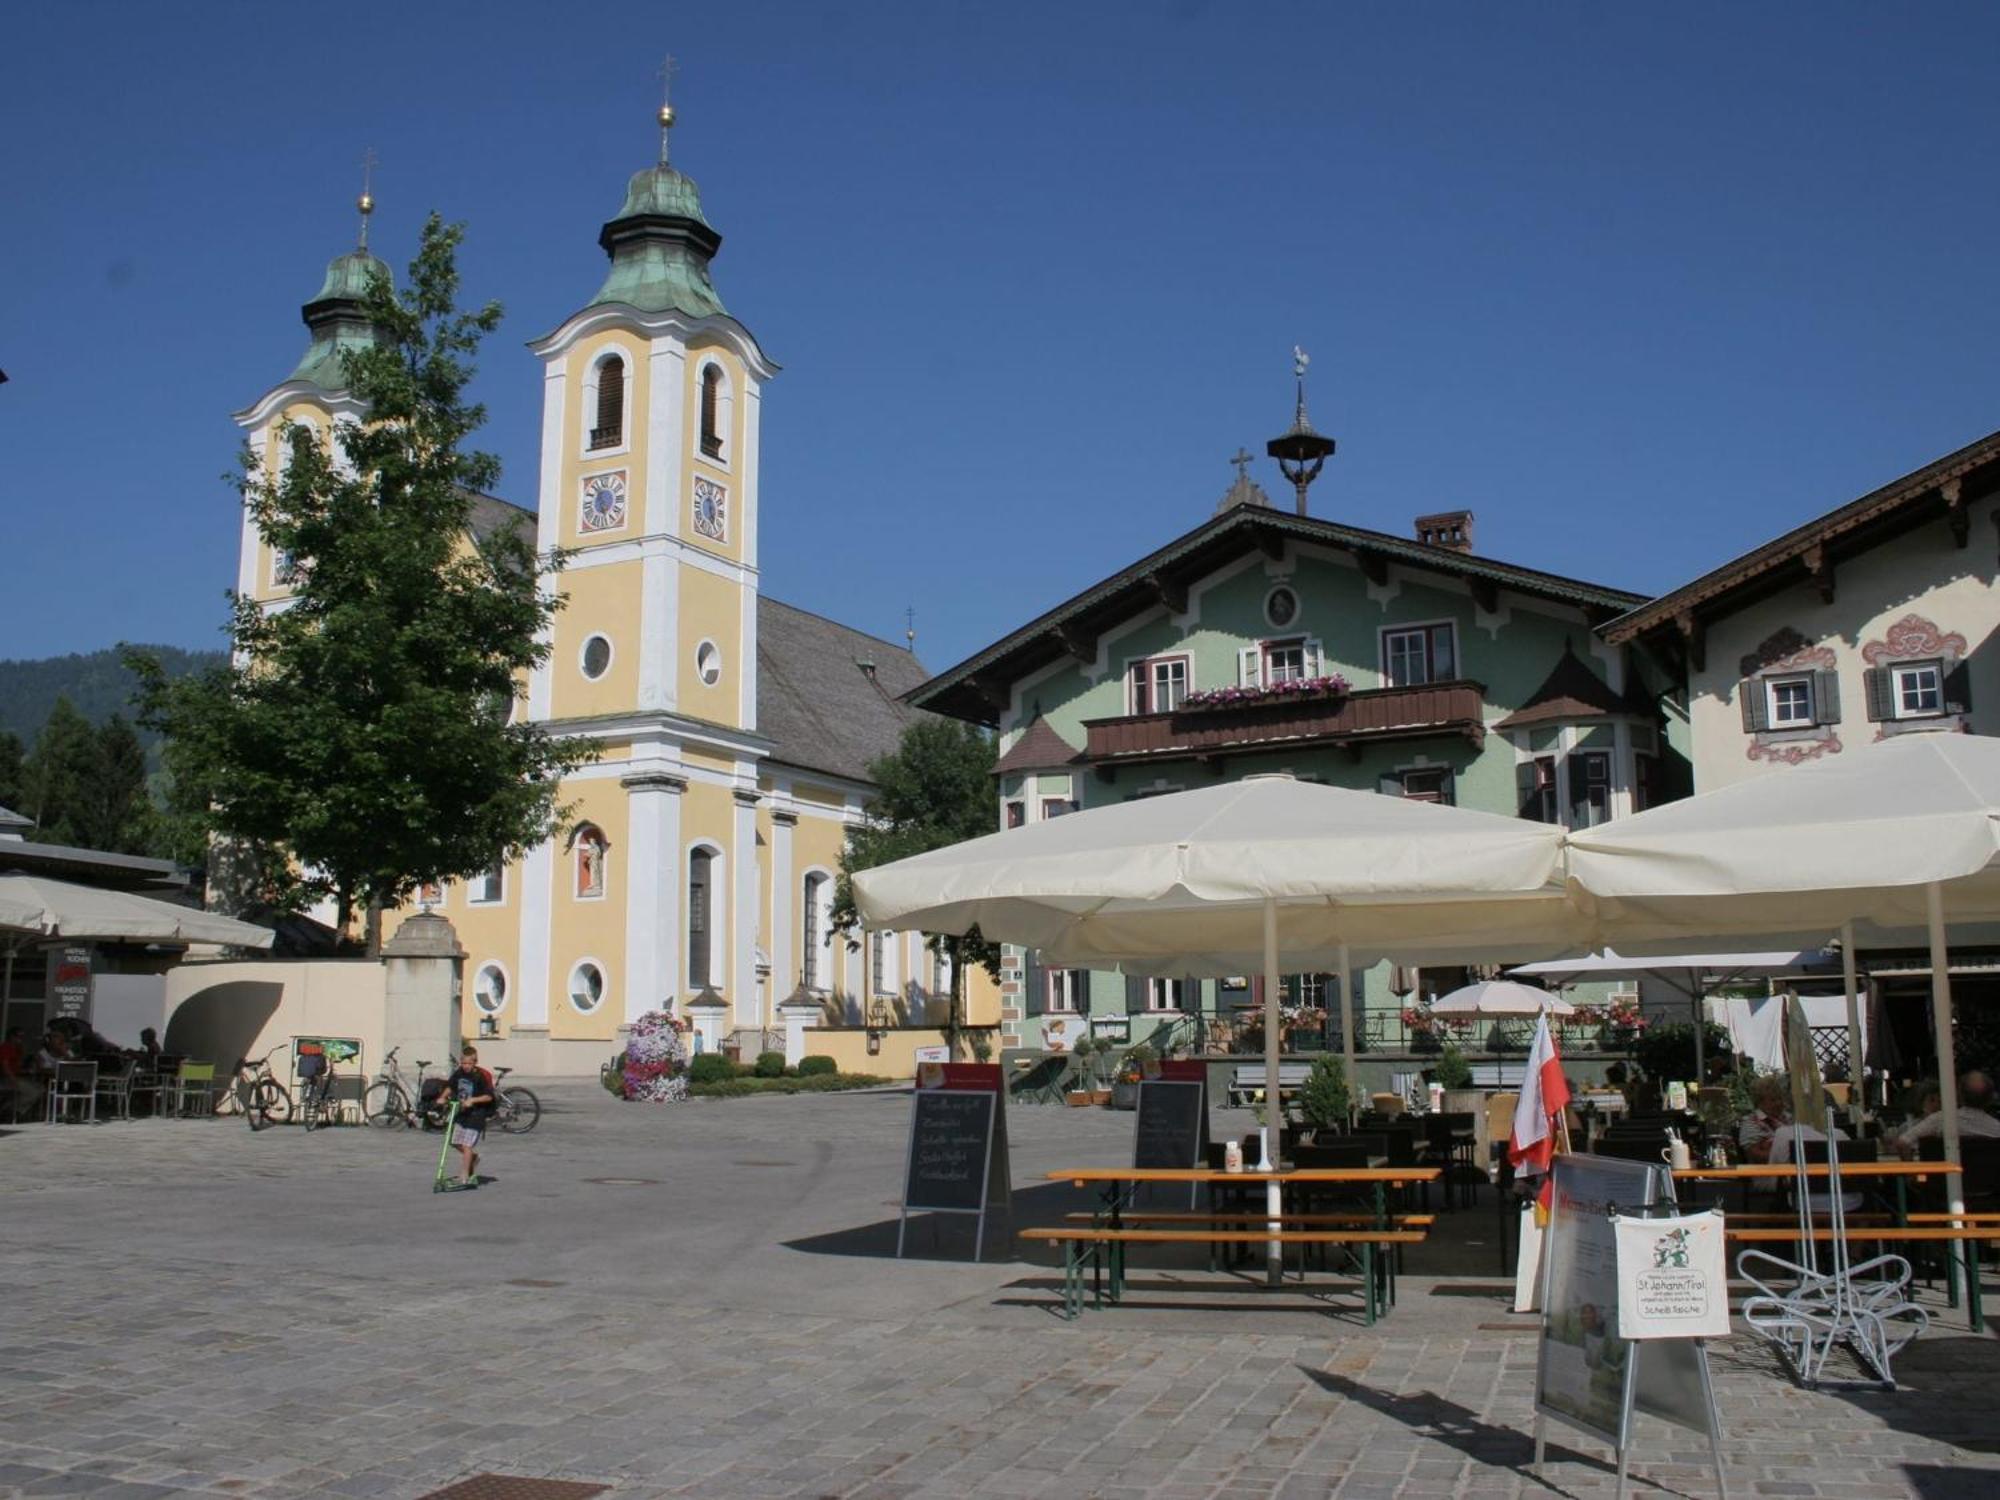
317	1105
389	1102
516	1110
253	1090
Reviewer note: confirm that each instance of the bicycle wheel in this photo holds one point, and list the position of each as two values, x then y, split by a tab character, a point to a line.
517	1110
267	1104
312	1103
385	1105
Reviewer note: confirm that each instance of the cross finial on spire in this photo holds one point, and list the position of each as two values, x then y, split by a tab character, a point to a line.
910	627
366	202
1241	458
668	67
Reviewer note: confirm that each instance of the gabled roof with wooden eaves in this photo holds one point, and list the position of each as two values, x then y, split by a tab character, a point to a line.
1573	691
1040	748
1939	491
977	688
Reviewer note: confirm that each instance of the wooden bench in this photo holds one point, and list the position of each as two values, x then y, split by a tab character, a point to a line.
1246	1082
1103	1248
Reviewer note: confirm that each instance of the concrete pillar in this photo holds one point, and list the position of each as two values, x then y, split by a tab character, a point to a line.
421	1005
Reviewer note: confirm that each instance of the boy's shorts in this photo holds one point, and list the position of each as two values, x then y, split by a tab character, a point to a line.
467	1136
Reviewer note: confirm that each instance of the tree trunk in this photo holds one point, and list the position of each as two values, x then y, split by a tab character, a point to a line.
373	943
343	912
951	1038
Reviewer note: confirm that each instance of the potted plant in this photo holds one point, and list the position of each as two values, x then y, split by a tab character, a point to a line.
1324	1099
1125	1086
1082	1089
1422	1027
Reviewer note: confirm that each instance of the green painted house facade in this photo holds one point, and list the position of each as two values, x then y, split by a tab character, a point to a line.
1263	641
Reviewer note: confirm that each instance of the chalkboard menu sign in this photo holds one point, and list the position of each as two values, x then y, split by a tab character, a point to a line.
1172	1126
958	1158
1586	1375
69	982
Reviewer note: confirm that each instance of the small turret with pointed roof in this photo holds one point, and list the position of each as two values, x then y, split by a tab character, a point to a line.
338	315
660	244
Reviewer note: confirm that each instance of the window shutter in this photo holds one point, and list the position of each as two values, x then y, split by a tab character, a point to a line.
611	400
1756	705
1250	666
1135	995
1878	687
1958	689
1826	697
1389	784
1312	659
1034	985
1448	789
1528	799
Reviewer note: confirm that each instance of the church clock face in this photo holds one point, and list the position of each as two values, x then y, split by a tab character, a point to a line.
603	502
711	510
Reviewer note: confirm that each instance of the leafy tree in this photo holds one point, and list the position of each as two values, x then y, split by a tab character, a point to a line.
13	771
1325	1100
57	777
937	789
362	745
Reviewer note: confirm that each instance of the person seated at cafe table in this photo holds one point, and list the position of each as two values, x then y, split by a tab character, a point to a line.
1780	1154
149	1049
1770	1109
15	1078
55	1050
1975	1116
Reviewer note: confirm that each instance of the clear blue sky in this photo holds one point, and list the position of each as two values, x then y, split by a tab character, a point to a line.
1642	286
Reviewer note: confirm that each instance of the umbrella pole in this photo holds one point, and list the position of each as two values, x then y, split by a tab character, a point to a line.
1947	1050
1274	1104
1700	1032
1347	1035
1857	1096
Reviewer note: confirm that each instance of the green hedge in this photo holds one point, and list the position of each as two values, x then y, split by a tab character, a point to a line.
736	1088
710	1067
770	1065
817	1066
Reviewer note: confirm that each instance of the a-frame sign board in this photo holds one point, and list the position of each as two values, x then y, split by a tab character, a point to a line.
958	1152
1586	1375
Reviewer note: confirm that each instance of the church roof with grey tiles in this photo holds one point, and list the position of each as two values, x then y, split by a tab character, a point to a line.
830	697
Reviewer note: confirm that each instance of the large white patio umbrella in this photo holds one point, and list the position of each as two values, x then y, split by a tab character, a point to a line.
1230	879
1501	997
1878	839
44	908
1691	973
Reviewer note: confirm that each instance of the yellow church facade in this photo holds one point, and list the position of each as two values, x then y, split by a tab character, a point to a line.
734	732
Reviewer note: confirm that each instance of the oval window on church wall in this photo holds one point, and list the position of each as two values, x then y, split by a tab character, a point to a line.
708	663
586	986
596	657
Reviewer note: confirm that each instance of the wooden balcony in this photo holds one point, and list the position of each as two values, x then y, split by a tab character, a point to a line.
1354	719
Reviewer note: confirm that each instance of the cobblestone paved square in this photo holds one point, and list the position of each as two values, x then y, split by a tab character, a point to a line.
701	1300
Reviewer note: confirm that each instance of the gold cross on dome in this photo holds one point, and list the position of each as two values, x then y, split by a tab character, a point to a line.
366	202
668	67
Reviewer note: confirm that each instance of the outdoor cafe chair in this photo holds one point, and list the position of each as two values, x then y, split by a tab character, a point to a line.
114	1087
73	1088
194	1084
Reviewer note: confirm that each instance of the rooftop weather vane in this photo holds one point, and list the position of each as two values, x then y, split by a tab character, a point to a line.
668	67
910	627
1300	359
1301	453
366	202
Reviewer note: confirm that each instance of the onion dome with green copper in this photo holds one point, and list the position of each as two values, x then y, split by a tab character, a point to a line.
337	316
660	244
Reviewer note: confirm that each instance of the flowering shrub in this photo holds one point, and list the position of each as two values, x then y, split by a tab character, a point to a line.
656	1059
1331	686
1418	1020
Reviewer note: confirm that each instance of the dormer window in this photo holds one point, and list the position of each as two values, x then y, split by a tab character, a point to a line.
711	411
610	429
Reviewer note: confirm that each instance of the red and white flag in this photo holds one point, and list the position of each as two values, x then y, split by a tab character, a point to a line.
1531	1147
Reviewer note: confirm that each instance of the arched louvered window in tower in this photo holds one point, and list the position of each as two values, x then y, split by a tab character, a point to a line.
711	419
610	429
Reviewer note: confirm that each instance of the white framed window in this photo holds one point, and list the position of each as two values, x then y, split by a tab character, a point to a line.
717	405
816	907
1789	701
1917	689
489	886
1284	661
1538	790
1017	813
1166	994
708	663
706	907
1157	685
1056	807
1589	788
587	985
882	962
1427	784
607	404
1413	655
594	660
1067	991
489	989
